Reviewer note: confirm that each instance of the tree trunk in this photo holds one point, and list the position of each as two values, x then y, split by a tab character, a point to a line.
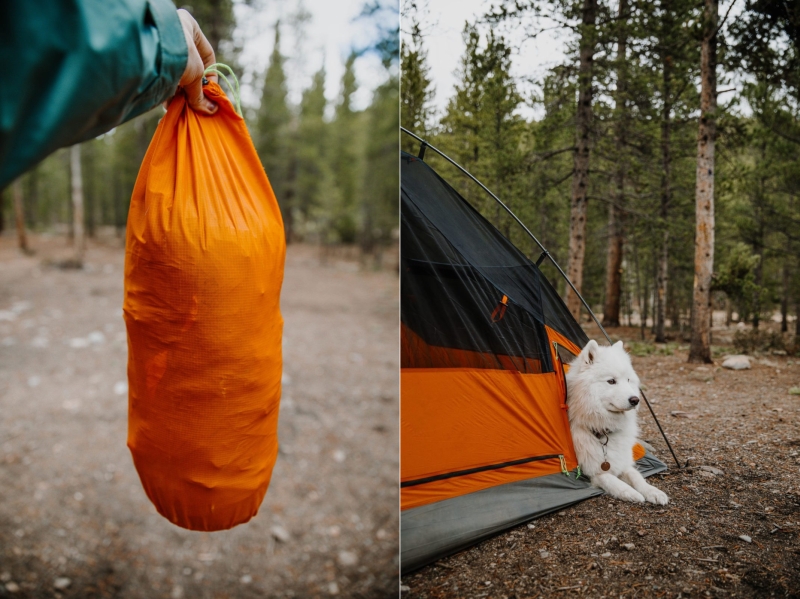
785	298
616	241
32	198
797	320
787	280
666	197
76	179
661	287
19	215
616	229
759	279
2	210
580	175
700	350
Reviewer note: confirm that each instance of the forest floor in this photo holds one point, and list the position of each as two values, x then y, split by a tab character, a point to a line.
74	520
731	529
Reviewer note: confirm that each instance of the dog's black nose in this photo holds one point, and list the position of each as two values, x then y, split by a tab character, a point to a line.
634	401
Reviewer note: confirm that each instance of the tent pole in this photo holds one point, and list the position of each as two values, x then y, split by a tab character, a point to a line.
424	145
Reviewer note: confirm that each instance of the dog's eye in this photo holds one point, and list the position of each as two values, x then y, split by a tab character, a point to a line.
612	381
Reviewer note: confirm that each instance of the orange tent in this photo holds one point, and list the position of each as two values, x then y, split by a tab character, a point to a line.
485	439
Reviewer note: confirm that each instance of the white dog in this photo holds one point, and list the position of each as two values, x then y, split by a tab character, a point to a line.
603	398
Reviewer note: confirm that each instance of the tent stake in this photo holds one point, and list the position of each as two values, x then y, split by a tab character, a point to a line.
423	146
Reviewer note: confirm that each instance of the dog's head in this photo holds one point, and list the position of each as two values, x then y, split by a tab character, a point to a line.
607	376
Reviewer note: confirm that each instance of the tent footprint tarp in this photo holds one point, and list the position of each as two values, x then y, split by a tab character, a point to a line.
485	440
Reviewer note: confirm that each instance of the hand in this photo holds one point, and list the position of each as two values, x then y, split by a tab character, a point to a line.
201	55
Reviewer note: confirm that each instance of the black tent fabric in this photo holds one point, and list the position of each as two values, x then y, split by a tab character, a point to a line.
470	299
441	229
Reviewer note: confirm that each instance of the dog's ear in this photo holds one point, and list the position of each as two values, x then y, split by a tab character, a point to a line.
590	352
618	345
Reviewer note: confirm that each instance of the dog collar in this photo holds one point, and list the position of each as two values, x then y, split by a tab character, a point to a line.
605	466
603	433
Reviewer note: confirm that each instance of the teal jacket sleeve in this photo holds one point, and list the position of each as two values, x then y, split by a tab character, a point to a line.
77	68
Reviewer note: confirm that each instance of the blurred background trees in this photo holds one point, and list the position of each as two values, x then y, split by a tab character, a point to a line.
333	167
643	142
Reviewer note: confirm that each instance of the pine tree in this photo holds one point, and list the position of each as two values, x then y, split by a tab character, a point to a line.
700	350
313	171
416	89
344	158
379	191
273	131
481	124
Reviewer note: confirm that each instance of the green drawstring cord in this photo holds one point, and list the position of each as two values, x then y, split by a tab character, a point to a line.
214	68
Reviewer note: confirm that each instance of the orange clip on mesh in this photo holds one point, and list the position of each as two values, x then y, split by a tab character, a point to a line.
500	309
203	271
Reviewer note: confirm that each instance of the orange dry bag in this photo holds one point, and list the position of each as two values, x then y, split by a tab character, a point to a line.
203	270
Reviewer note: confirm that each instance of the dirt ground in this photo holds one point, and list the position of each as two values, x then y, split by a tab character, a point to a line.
731	529
74	520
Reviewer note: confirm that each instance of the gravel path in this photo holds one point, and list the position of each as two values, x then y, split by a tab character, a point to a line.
74	520
731	529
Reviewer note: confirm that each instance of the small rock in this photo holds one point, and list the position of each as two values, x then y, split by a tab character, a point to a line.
62	583
641	533
246	579
12	587
770	363
333	588
629	546
531	526
745	538
280	534
712	470
738	362
544	554
404	588
706	474
348	558
779	352
606	554
177	592
96	338
683	529
339	456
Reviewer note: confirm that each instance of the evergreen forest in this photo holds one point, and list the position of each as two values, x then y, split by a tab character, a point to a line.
661	169
332	167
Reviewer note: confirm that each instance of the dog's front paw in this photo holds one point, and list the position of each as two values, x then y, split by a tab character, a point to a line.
630	494
656	496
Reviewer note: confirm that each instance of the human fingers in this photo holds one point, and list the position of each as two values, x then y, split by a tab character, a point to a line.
192	79
205	51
